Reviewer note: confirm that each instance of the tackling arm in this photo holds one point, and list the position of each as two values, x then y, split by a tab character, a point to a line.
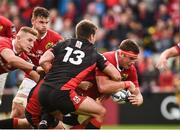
46	59
15	61
111	71
108	86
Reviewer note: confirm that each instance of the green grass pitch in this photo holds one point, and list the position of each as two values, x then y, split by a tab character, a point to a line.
144	127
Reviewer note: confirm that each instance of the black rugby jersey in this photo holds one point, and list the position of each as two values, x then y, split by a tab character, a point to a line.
74	60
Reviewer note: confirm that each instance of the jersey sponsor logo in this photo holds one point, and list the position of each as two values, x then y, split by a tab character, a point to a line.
49	45
1	27
76	99
124	76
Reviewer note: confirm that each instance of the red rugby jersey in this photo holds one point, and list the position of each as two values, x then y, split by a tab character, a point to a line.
129	74
5	43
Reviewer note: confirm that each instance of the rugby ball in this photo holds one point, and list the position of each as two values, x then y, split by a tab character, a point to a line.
121	96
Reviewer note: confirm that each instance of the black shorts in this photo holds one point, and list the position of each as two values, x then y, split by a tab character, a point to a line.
65	101
35	120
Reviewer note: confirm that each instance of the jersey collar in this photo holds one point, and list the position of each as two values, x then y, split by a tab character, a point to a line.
13	46
43	36
117	62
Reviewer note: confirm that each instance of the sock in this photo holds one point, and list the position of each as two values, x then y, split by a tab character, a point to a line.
9	123
93	124
44	121
78	127
15	123
71	120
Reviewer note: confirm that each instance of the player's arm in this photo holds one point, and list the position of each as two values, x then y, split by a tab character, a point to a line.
165	55
34	75
85	85
16	61
109	86
106	67
46	60
136	98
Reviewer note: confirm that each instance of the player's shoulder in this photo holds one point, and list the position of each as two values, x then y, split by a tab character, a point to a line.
5	43
62	43
54	34
51	32
109	55
5	40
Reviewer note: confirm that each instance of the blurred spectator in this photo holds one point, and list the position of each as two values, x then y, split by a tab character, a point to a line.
109	20
91	13
149	75
56	21
67	31
145	17
166	81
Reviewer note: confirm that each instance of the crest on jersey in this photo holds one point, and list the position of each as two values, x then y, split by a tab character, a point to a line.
124	76
1	27
49	45
76	99
78	44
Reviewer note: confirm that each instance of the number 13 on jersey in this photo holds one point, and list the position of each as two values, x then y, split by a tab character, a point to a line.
78	53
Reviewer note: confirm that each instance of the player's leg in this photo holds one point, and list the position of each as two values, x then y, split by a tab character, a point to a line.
67	101
20	100
91	120
3	78
96	111
14	123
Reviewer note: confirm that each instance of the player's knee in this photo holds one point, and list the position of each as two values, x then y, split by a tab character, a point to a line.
17	111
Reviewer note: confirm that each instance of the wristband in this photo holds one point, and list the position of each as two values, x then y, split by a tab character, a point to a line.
34	68
126	84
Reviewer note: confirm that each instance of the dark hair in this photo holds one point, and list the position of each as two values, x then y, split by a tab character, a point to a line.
85	28
129	45
40	12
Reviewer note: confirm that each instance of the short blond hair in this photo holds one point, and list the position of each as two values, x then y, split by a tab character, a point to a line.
26	29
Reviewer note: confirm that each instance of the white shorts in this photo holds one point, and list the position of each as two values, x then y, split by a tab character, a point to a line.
20	100
3	78
24	89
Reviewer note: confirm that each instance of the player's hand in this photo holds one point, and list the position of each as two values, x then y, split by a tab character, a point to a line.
162	64
132	87
136	99
85	85
39	69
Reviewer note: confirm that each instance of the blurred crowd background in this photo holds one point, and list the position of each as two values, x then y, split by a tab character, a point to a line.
154	24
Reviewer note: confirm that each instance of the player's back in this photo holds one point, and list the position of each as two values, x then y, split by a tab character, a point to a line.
74	59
